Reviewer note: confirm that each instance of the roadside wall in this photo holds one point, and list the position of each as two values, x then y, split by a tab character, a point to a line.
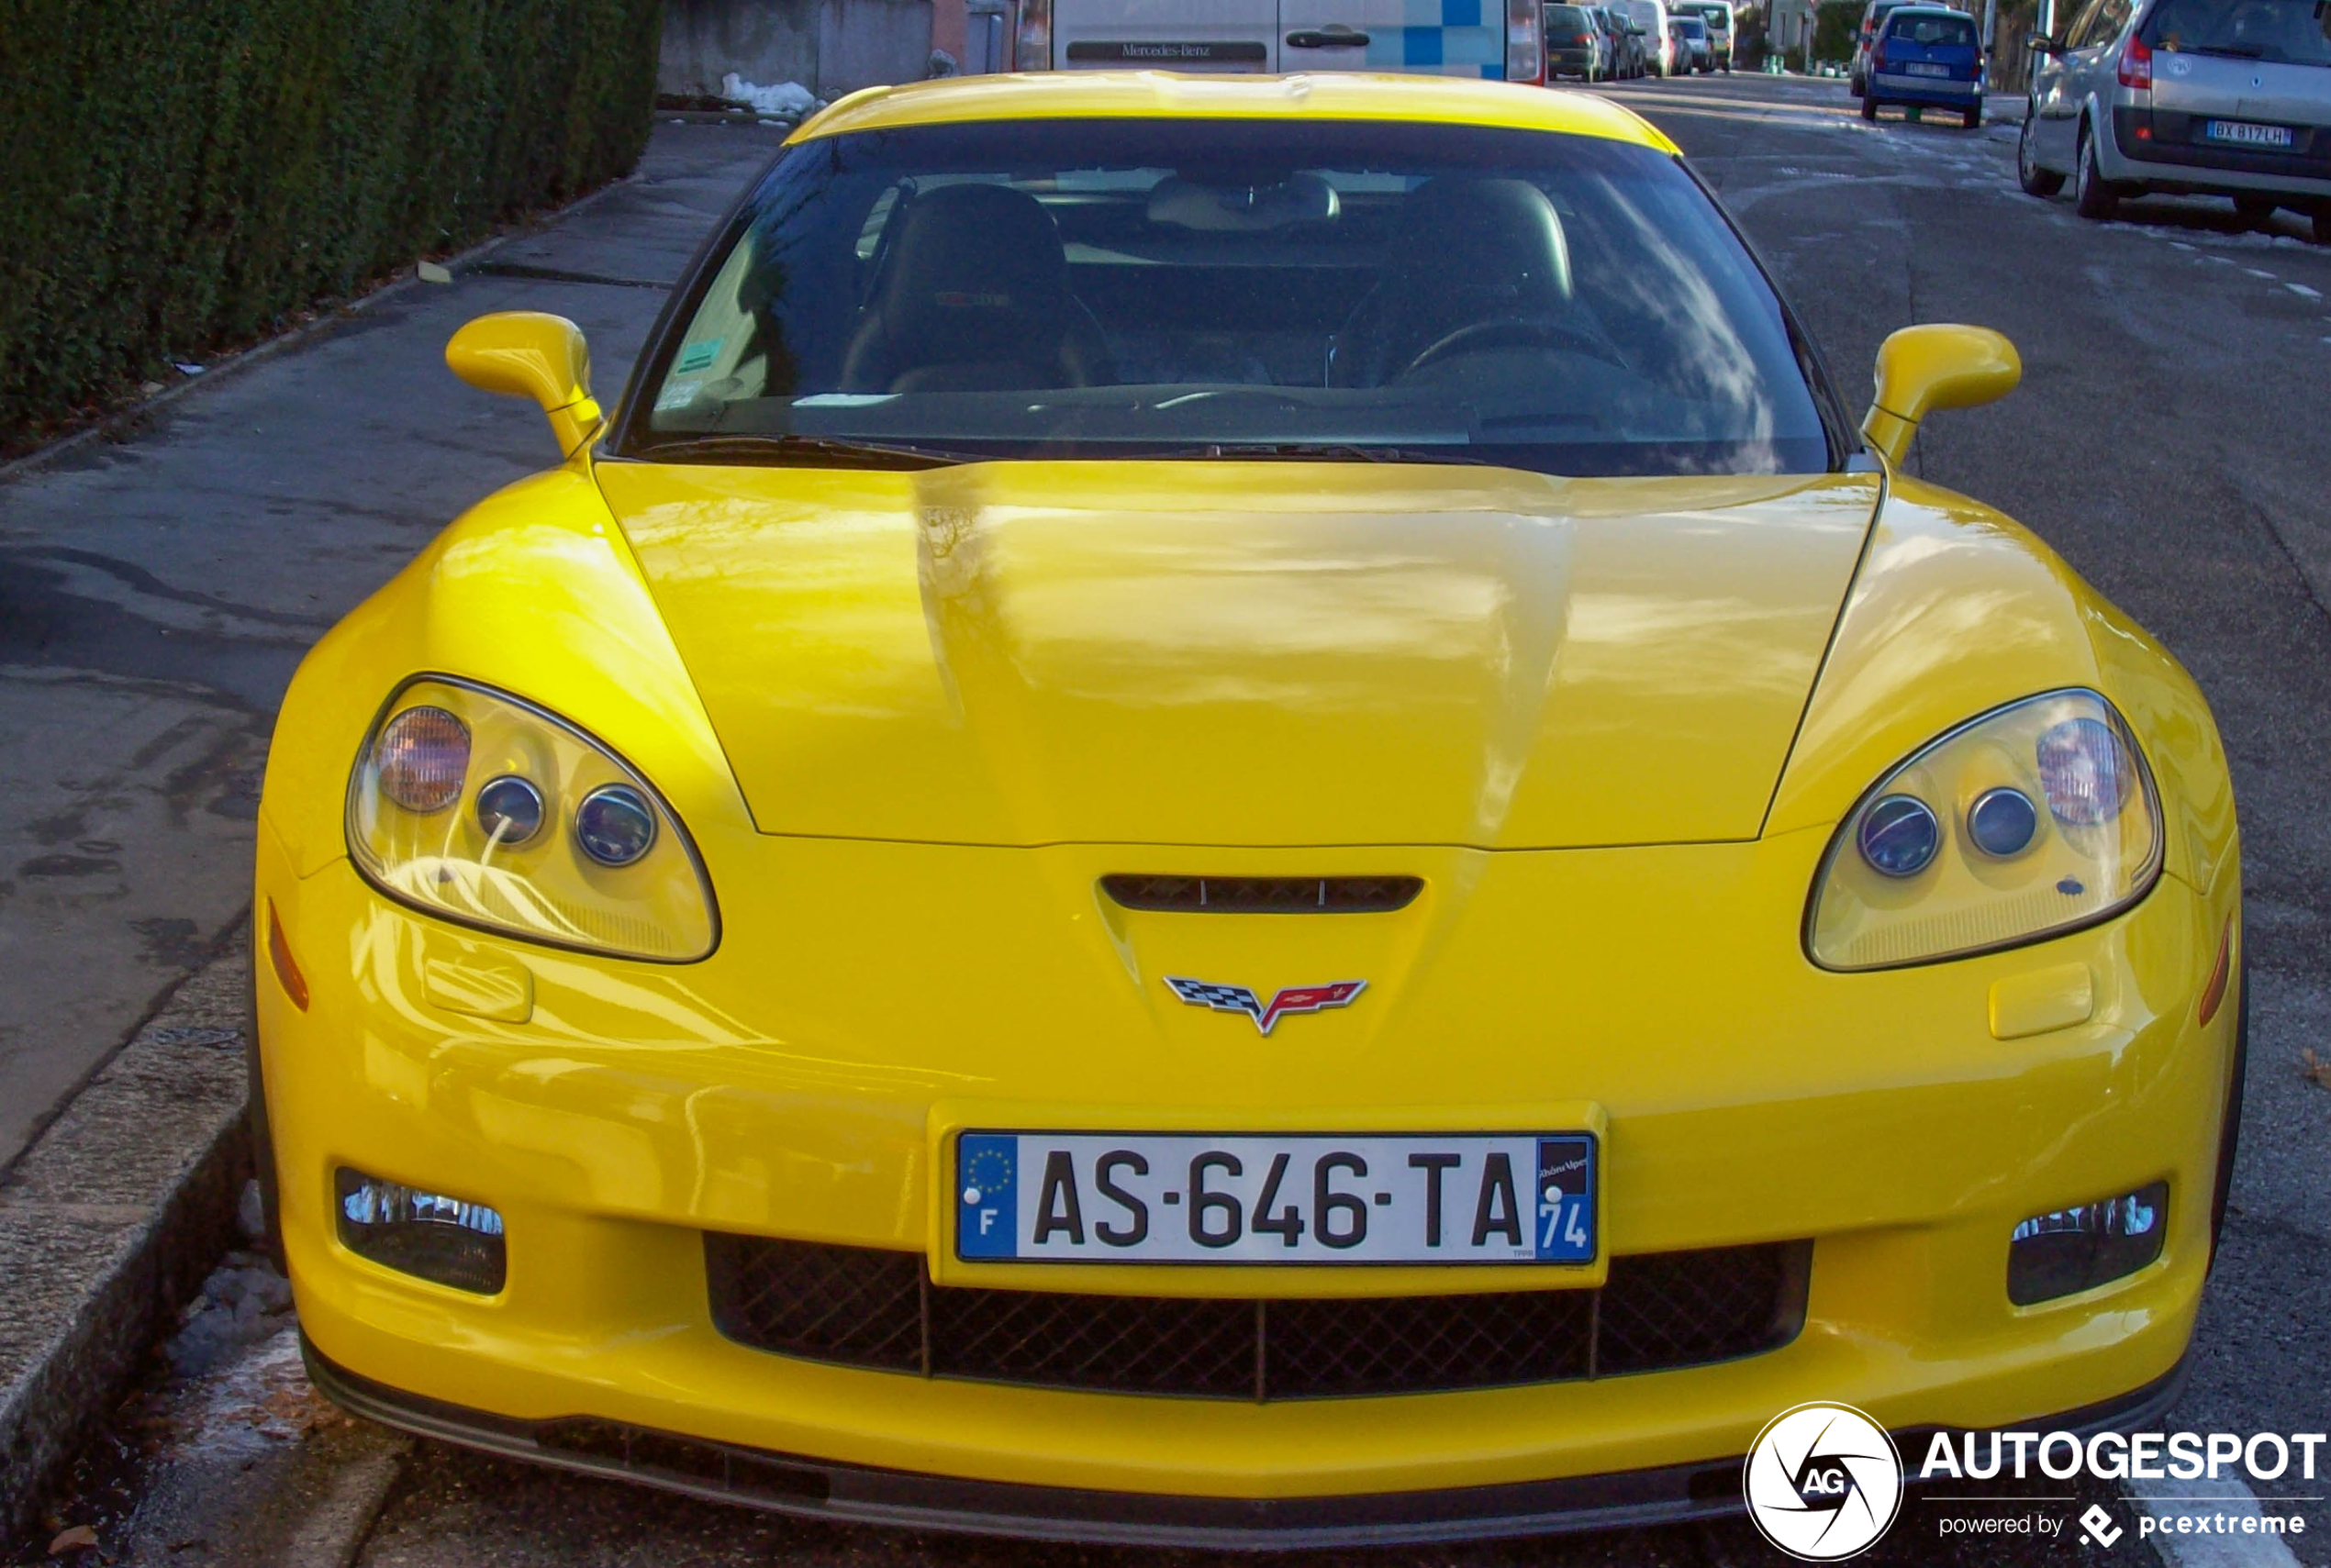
183	175
830	47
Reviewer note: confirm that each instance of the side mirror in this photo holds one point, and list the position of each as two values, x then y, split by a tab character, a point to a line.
527	353
2040	43
1924	367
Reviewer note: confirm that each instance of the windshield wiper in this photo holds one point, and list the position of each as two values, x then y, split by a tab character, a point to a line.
822	452
1331	452
2228	52
802	452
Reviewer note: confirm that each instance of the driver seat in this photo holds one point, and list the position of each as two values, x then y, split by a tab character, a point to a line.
973	296
1463	252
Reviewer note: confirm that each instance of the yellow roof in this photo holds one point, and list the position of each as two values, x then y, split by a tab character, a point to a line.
1337	96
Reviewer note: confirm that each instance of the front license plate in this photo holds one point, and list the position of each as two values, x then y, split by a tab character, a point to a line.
1918	68
2244	134
1290	1199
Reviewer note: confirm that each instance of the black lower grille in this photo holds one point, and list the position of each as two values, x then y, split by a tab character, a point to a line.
860	1306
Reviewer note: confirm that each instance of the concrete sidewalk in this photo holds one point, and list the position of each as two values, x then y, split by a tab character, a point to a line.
157	589
156	594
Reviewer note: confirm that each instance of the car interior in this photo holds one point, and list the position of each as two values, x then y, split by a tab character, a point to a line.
1238	301
1925	28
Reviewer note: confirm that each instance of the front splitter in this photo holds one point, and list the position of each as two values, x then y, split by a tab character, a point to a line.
790	1484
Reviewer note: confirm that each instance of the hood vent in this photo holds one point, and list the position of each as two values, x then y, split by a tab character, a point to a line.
1265	895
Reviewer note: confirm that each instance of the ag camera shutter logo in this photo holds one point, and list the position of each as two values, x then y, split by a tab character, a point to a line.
1824	1482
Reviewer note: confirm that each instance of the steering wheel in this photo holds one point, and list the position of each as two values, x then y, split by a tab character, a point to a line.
1514	331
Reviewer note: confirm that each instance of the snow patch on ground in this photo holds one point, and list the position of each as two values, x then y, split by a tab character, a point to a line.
242	1386
255	1403
244	1302
786	100
2188	238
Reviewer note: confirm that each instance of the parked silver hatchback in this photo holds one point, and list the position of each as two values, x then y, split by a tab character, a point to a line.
2214	97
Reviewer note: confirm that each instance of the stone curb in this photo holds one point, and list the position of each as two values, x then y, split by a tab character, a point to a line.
109	1221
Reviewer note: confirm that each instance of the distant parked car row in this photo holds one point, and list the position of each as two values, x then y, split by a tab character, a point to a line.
1626	38
2136	97
1600	43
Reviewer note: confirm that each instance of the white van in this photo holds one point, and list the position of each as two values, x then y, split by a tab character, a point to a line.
1652	17
1502	40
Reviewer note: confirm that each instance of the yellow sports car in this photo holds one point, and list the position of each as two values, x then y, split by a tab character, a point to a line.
1231	811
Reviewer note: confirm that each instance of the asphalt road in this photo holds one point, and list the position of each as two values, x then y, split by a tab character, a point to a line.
2170	440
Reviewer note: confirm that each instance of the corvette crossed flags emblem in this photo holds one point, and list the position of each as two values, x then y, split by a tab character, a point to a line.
1266	1015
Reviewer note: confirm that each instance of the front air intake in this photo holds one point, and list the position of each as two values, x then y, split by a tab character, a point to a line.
1264	895
864	1307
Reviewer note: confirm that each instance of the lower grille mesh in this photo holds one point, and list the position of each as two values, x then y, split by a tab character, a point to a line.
860	1306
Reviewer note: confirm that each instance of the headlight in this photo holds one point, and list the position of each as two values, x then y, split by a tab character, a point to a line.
481	809
2034	819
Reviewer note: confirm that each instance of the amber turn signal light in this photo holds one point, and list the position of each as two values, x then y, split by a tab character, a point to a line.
2213	989
287	973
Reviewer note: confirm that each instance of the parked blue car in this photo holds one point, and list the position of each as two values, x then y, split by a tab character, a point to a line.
1926	57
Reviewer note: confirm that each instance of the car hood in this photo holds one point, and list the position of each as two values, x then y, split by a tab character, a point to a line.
1248	653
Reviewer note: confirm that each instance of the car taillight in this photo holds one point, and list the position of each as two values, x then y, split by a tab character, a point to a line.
2137	64
1032	50
1525	55
1878	58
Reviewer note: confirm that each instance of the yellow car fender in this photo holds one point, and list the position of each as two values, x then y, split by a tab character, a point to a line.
534	591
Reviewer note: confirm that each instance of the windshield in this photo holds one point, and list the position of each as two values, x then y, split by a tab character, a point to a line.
2286	32
1927	27
1566	19
1196	289
1691	27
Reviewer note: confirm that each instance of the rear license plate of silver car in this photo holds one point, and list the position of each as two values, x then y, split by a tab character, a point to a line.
2244	134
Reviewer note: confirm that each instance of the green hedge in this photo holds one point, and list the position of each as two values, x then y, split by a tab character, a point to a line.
1836	30
180	174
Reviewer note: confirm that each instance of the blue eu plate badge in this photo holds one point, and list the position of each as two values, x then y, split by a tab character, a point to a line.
987	1208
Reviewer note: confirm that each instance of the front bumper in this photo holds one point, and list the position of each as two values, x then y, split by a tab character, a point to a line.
801	1083
790	1484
